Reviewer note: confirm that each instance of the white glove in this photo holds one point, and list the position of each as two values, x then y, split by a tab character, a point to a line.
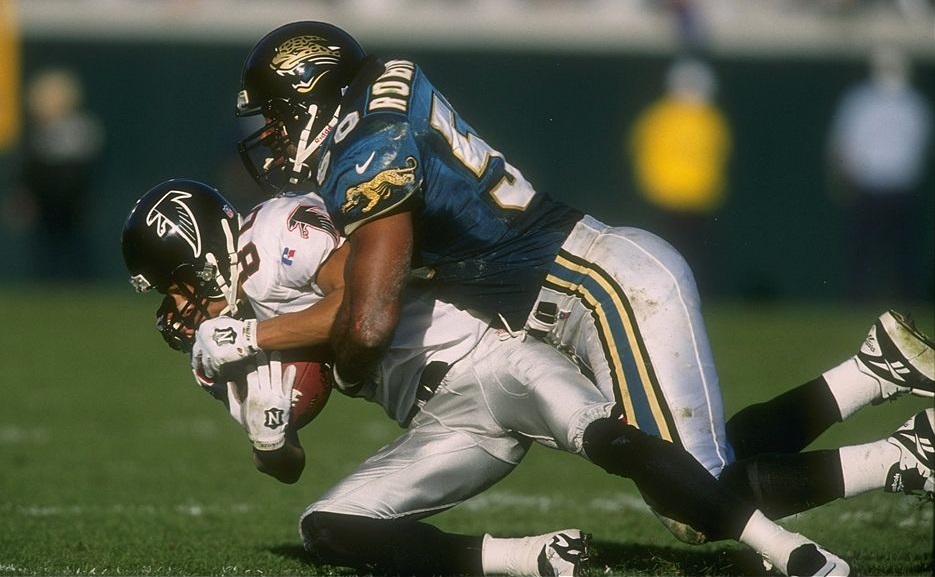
268	405
221	341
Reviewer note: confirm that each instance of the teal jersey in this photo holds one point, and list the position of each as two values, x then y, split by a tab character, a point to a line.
485	239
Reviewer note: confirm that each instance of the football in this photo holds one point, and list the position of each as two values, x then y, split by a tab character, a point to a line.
312	386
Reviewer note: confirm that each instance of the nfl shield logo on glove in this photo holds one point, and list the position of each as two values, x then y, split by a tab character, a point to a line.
274	418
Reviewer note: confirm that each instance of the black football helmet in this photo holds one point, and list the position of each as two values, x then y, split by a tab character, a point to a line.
295	77
183	233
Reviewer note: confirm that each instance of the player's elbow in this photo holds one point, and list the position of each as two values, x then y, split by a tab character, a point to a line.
373	332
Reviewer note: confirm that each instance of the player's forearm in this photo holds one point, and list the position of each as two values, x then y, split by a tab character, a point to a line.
360	342
376	272
310	327
284	464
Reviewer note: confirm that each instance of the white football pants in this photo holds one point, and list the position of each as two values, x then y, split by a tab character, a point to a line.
629	313
477	427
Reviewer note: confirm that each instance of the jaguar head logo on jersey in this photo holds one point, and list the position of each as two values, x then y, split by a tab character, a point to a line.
303	57
171	215
379	187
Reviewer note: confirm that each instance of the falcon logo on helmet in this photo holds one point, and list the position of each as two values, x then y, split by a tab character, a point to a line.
171	215
182	236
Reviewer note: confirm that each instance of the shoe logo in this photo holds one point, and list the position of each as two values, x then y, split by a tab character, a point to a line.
895	482
925	450
885	369
569	548
871	343
826	570
360	168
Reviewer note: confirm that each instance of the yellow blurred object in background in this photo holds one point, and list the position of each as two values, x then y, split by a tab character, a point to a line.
9	75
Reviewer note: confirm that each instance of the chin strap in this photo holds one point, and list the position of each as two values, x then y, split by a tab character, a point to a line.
229	290
306	147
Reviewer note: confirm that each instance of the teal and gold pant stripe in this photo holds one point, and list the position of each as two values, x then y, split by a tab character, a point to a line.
635	384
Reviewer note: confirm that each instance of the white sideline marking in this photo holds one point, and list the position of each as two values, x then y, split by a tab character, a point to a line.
498	500
15	435
190	509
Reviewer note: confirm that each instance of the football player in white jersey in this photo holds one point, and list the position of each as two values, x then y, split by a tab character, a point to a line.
505	393
415	188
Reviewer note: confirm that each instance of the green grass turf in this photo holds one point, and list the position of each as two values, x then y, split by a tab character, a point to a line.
113	462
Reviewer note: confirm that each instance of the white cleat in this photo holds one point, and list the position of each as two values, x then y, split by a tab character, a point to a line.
563	553
900	356
916	441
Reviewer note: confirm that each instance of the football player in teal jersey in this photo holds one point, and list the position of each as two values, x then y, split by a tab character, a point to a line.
420	195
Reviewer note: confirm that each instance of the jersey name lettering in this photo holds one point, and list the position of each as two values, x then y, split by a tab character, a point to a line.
392	89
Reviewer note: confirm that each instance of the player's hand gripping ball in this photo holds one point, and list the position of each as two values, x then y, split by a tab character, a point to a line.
312	386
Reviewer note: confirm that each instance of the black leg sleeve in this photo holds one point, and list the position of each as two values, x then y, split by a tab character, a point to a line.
672	481
786	424
389	546
782	485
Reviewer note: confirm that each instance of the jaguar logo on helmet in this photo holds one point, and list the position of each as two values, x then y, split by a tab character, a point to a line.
301	57
171	215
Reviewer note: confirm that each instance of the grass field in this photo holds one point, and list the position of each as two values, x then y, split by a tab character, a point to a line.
112	462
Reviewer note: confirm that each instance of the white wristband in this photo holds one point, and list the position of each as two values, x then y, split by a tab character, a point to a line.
249	335
269	445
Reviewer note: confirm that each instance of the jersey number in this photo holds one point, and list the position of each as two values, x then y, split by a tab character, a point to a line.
512	191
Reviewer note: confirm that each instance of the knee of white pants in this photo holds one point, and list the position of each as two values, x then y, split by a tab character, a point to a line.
423	472
580	421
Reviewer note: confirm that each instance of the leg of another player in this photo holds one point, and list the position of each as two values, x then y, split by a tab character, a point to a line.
397	546
681	489
372	519
408	547
895	358
785	484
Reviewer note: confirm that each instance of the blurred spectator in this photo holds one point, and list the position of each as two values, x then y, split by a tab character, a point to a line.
680	146
689	23
878	145
62	147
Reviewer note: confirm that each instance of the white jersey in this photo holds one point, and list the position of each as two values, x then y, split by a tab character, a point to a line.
284	242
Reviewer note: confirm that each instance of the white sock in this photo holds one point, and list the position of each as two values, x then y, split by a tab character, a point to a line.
771	540
864	467
851	387
519	556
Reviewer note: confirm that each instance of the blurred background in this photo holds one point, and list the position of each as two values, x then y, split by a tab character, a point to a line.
783	145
